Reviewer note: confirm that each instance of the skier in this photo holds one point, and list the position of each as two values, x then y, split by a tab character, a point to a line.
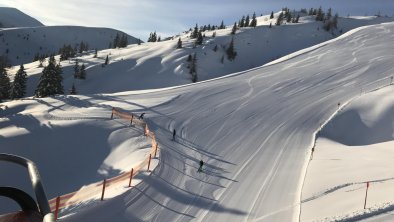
141	116
201	164
173	135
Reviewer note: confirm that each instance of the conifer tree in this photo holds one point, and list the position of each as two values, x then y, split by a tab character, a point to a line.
213	34
116	41
159	39
272	15
247	21
231	53
279	20
139	41
50	82
179	43
193	68
95	53
253	23
222	26
82	72
195	32
234	29
270	25
241	23
215	48
5	84
200	38
76	69
18	88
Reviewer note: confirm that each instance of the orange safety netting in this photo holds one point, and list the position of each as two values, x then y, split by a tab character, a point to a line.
95	190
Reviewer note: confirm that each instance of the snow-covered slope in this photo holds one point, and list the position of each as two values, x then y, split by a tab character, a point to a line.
20	45
157	65
12	17
355	147
253	129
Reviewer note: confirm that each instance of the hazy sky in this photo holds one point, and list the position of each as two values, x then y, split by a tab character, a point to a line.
168	17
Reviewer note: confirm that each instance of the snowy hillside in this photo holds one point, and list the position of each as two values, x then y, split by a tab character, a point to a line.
354	148
254	130
160	64
12	17
20	45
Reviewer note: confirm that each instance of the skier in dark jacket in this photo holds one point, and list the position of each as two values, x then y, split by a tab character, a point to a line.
201	164
173	134
141	116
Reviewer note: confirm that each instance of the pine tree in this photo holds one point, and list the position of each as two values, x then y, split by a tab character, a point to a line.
159	39
270	25
222	26
116	41
82	72
81	47
272	15
310	11
231	53
5	84
241	23
139	41
95	53
73	91
179	43
195	32
50	82
76	69
18	88
106	61
213	34
247	21
279	20
253	23
200	38
298	18
193	68
234	29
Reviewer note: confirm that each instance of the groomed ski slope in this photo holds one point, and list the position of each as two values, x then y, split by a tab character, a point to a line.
253	129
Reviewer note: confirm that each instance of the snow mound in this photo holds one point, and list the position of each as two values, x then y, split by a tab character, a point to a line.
368	122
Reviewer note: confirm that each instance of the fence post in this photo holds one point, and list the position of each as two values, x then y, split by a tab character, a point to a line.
131	176
57	207
102	194
131	120
112	113
150	157
366	194
156	150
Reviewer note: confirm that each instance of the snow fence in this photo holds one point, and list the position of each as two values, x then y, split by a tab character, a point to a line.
97	190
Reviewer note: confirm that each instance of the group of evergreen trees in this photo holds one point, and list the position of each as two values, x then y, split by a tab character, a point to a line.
286	16
246	22
192	66
66	52
153	37
120	41
50	82
17	88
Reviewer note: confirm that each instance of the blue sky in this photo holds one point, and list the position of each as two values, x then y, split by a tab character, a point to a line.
168	17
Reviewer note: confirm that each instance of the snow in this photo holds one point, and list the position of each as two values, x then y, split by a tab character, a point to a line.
355	147
254	129
12	17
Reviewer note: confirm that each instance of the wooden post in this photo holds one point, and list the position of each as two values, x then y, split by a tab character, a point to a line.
150	157
156	150
57	207
131	120
102	194
112	113
366	195
131	176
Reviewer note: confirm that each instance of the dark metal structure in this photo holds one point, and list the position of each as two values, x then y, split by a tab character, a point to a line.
31	211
